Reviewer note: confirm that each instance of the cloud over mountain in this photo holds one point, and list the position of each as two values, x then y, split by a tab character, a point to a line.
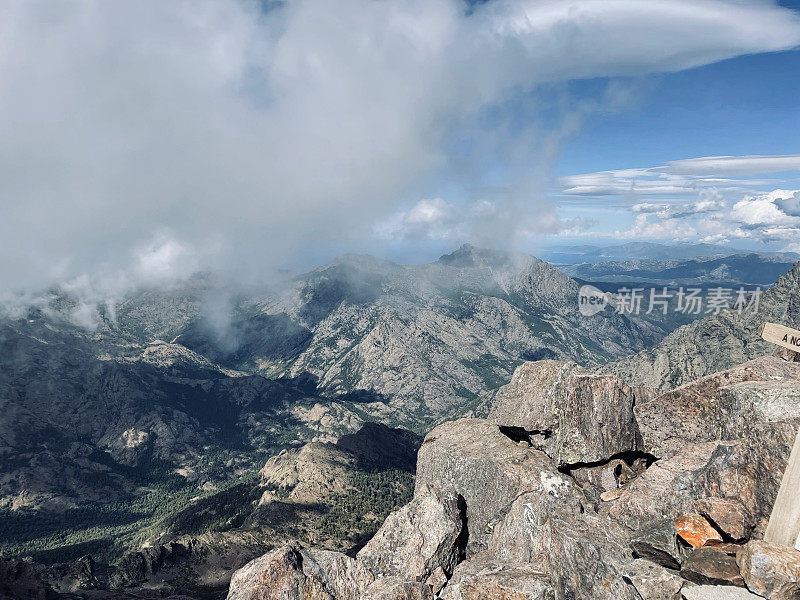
147	137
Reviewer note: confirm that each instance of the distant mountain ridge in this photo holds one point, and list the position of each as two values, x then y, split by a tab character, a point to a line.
735	269
571	255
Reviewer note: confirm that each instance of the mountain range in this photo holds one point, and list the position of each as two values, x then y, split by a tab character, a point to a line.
108	431
731	270
177	430
568	255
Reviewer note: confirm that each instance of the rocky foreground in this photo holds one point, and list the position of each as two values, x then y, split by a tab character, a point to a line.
579	486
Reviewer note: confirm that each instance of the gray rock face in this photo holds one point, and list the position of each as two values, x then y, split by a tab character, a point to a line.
584	554
671	487
654	582
396	588
291	573
658	543
416	540
727	405
712	592
709	566
482	577
276	575
770	570
731	517
581	417
489	470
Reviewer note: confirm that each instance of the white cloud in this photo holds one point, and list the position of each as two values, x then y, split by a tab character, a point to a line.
429	212
249	132
764	209
789	204
164	259
711	218
795	247
649	208
427	219
684	177
667	229
735	165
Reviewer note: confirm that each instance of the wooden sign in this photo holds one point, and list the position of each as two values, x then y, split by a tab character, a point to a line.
781	336
784	523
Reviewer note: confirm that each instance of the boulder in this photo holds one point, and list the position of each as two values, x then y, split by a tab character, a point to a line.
482	577
716	408
419	538
489	470
396	588
729	516
654	582
292	573
771	570
658	542
339	575
728	470
274	576
717	592
575	415
709	566
584	554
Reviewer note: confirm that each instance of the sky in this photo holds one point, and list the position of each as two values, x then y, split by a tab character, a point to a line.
141	142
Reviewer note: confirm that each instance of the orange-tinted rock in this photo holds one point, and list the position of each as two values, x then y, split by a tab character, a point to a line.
697	531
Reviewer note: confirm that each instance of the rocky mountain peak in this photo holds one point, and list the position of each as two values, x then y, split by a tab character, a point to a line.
472	256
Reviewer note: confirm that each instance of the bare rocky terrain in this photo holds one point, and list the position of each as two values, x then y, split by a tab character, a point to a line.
497	514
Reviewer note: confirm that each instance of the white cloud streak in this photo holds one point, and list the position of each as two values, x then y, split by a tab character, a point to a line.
680	177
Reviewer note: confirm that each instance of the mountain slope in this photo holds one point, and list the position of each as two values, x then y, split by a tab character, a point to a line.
414	343
715	343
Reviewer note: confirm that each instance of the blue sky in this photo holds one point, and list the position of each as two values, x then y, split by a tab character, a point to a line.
742	106
745	105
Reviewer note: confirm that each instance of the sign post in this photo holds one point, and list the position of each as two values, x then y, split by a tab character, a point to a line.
782	336
784	523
